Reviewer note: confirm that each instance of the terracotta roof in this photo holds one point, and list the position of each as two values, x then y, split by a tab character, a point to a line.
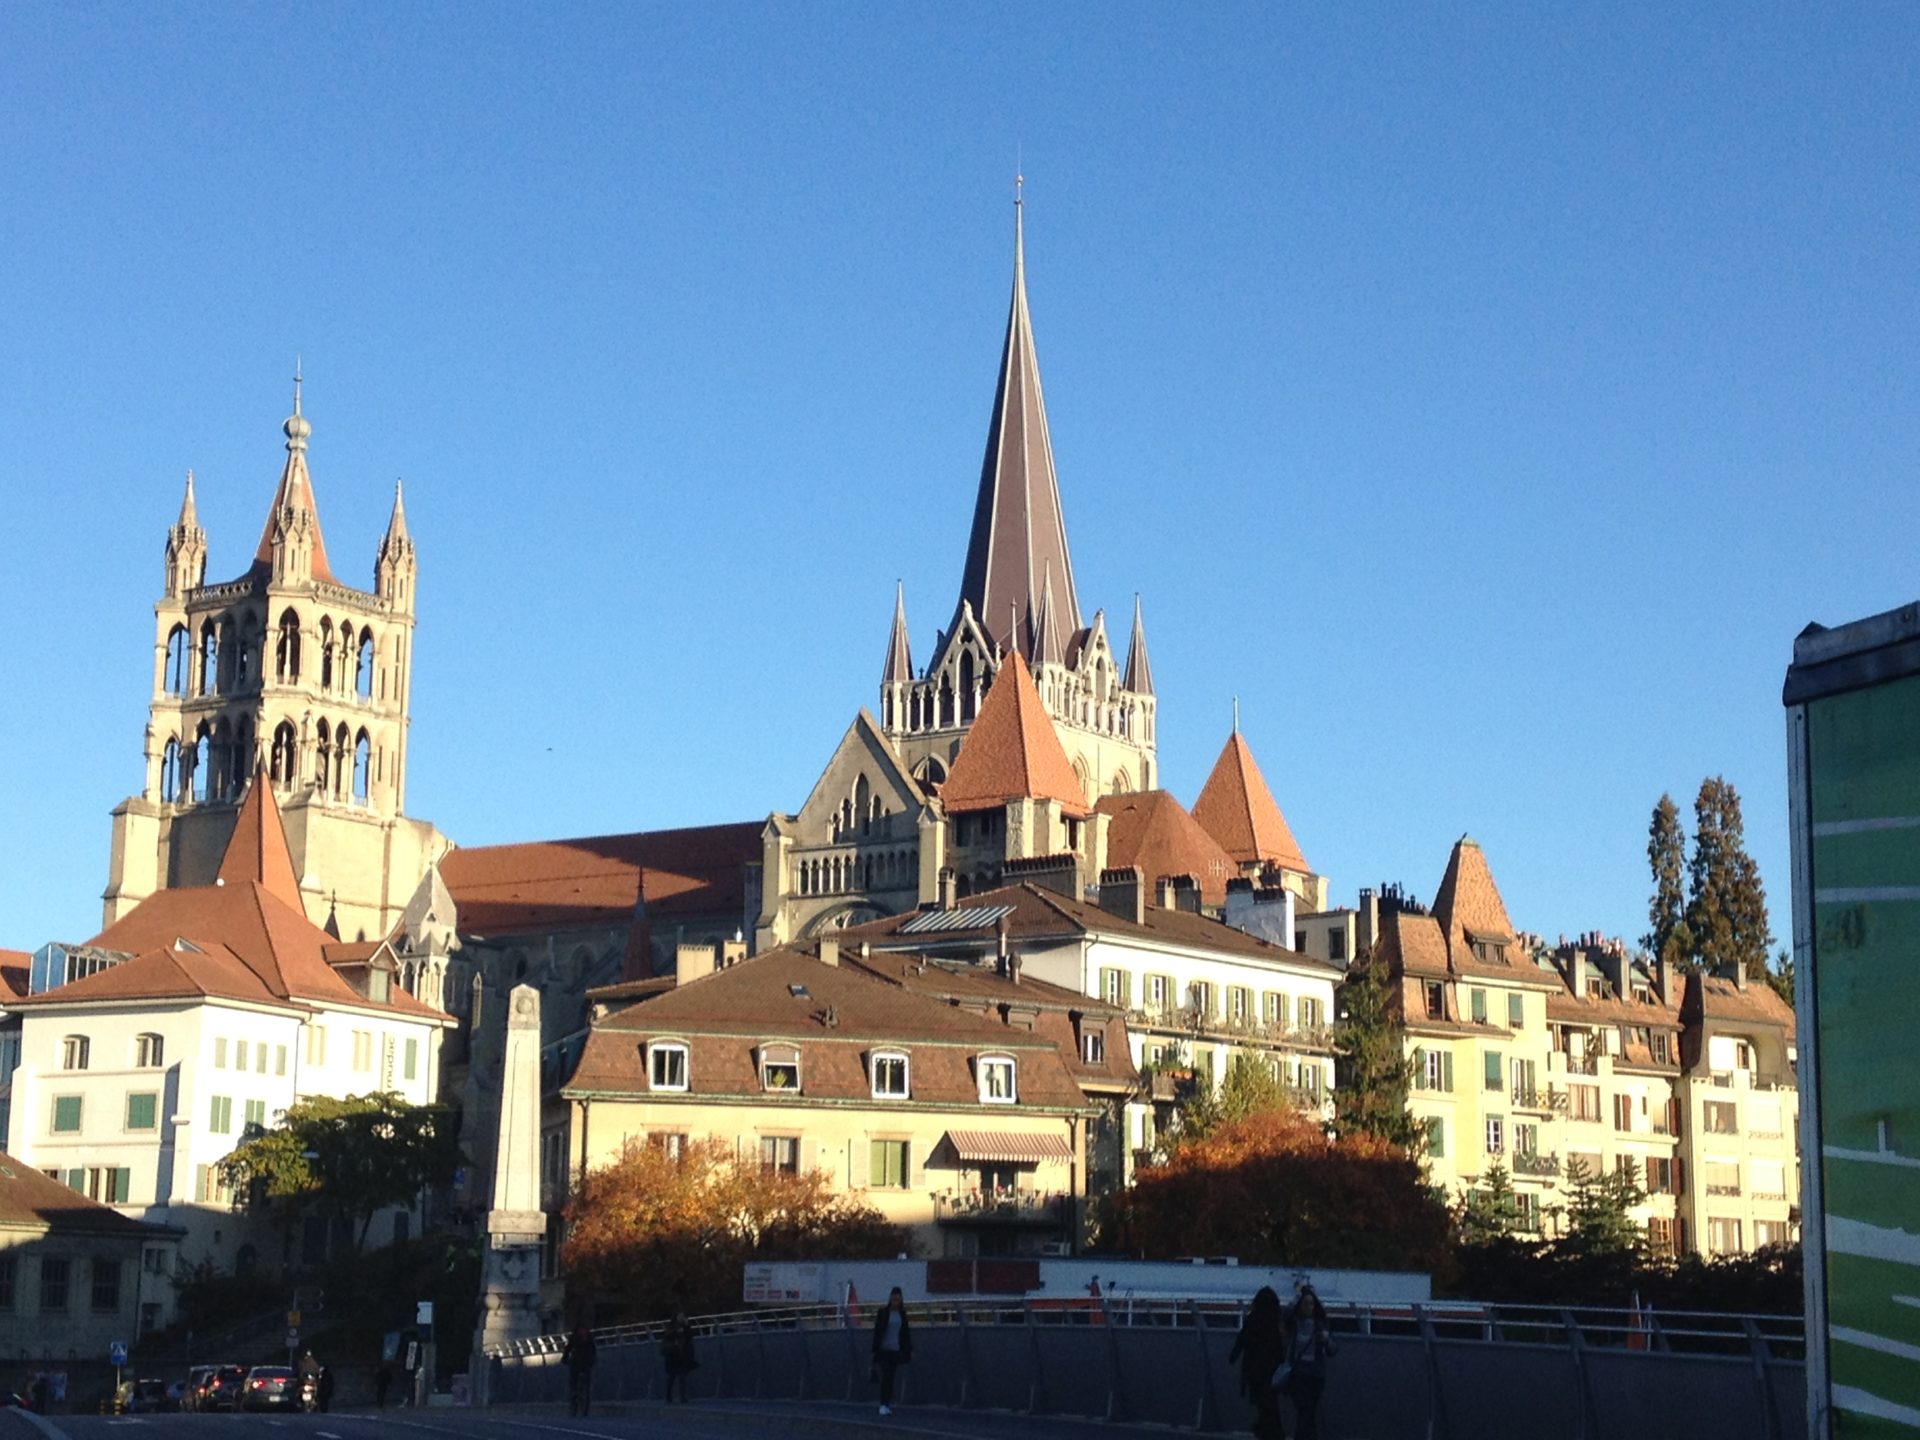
1238	810
1153	830
1411	944
257	850
899	667
1012	751
834	1014
1018	531
1468	900
1717	998
295	490
546	885
15	967
31	1200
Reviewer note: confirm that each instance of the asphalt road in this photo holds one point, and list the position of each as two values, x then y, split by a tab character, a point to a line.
708	1420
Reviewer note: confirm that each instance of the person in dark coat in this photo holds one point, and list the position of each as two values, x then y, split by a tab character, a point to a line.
382	1382
1308	1345
676	1353
1260	1347
578	1357
892	1345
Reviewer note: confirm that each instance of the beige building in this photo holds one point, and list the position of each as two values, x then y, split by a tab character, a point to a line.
951	1109
289	667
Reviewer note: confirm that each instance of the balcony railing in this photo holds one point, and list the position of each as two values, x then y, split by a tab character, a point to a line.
1549	1100
998	1207
1780	1195
1528	1163
1723	1189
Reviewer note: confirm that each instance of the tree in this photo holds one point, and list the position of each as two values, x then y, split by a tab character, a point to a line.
1669	939
1726	904
1598	1210
653	1229
1275	1188
1376	1077
1491	1211
1250	1087
1781	976
347	1158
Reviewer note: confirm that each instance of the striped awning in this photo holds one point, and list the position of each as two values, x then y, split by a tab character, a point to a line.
990	1147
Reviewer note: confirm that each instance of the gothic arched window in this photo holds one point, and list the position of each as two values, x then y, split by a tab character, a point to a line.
966	686
202	763
363	667
240	757
209	659
362	767
285	754
286	650
179	660
170	772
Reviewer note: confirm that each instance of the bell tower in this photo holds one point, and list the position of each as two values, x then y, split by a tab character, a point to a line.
288	670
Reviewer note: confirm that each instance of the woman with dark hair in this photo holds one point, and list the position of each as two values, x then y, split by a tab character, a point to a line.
1260	1347
892	1345
1308	1346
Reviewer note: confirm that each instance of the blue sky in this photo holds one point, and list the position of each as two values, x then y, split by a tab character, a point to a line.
1486	397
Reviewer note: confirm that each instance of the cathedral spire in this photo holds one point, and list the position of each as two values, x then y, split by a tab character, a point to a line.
293	520
189	512
396	522
1018	531
1047	649
899	666
1139	673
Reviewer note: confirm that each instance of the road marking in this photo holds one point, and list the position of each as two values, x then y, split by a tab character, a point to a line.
328	1435
1865	894
1869	1341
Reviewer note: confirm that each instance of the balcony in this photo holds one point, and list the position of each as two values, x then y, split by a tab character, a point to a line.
1777	1195
1724	1189
1548	1101
1000	1207
1539	1167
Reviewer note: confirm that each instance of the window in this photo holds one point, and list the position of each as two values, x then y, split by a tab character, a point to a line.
1769	1180
1526	1212
1495	1072
220	1122
316	1045
148	1051
1660	1176
1310	1078
362	1051
887	1165
256	1121
1436	1000
1516	1012
1623	1112
1300	941
890	1076
1496	1135
1659	1044
1437	1138
73	1052
410	1067
667	1067
1200	997
106	1284
1627	1167
1660	1235
141	1111
1723	1236
1720	1117
1433	1070
780	1153
1479	1000
9	1280
997	1080
54	1278
210	1186
779	1067
1115	986
1525	1091
1273	1008
260	1058
1158	990
673	1142
1239	1004
1723	1177
1769	1232
240	1055
1336	944
109	1184
1093	1047
1583	1103
1310	1014
1526	1139
66	1114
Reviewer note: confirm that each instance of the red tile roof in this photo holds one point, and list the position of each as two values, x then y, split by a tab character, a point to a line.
1012	751
257	850
1718	998
1153	830
1238	810
30	1200
547	885
15	966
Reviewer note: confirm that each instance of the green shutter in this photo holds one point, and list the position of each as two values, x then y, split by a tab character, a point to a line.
1419	1067
1437	1137
1446	1071
1494	1081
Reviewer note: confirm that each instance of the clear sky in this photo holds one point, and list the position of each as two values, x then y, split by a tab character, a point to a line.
1485	395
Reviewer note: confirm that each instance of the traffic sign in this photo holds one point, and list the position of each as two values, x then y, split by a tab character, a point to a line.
117	1353
423	1312
293	1336
293	1319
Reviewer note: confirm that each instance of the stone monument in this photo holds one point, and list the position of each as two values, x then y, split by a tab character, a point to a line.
516	1227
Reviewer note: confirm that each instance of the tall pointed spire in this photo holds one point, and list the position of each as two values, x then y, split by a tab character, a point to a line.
1238	810
189	511
899	667
1139	673
186	548
397	522
1047	649
1018	529
293	507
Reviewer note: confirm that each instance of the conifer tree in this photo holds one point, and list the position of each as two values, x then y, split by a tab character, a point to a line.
1726	904
1669	939
1375	1075
1491	1211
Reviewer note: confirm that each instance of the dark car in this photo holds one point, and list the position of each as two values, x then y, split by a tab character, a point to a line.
221	1389
270	1387
143	1397
195	1394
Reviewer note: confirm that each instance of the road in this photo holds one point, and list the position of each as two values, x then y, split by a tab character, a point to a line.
702	1420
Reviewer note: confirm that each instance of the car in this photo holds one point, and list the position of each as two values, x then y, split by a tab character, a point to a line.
270	1387
195	1394
222	1388
142	1397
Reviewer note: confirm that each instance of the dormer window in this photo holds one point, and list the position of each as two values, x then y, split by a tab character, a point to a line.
779	1067
1093	1047
997	1081
74	1050
379	986
890	1077
666	1065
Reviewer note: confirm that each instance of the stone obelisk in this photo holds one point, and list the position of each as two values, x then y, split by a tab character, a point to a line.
516	1228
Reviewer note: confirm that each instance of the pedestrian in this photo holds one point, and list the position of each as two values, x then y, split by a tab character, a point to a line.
578	1357
1308	1345
382	1382
326	1387
676	1353
892	1345
1261	1349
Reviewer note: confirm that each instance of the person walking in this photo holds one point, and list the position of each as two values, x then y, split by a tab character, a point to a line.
1308	1346
676	1353
578	1357
892	1345
1261	1348
382	1382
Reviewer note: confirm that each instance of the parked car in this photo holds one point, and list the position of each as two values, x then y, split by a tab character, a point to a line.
143	1397
270	1387
177	1395
195	1394
223	1387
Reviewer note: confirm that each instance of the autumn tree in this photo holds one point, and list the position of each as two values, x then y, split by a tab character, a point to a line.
1375	1074
1726	904
1275	1188
347	1159
1669	939
653	1229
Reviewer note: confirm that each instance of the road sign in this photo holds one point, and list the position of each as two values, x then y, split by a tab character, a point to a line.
293	1336
117	1353
423	1312
293	1319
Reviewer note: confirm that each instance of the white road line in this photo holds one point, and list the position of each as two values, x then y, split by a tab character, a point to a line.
1871	1157
1859	827
1872	1242
1858	894
328	1435
1852	1397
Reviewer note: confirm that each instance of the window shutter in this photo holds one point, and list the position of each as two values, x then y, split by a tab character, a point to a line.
859	1152
1419	1067
1679	1176
1446	1071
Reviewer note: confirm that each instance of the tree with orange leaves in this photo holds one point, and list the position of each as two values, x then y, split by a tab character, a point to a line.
1274	1188
654	1229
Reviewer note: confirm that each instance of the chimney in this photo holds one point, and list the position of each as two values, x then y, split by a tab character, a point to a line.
1577	972
1739	976
1163	892
1123	892
1185	891
1657	968
1058	873
829	950
947	887
732	952
690	962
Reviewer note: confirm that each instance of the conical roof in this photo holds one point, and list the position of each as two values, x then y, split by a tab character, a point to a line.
1139	672
257	851
1012	751
1153	830
899	667
295	492
1468	902
1238	810
1018	530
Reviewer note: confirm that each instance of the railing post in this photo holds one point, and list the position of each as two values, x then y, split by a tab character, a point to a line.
1437	1428
1206	1402
1577	1348
1036	1386
760	1359
1115	1401
966	1354
1762	1372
